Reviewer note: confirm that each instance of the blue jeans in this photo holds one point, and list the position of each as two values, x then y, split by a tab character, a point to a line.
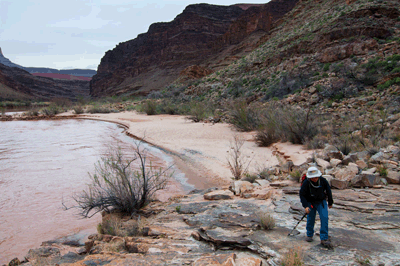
322	209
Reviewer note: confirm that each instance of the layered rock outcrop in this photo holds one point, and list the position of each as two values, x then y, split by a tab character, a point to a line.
202	35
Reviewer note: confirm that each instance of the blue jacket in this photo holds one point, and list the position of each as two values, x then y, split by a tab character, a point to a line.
315	193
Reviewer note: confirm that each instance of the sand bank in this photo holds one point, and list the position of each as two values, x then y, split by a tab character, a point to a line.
201	150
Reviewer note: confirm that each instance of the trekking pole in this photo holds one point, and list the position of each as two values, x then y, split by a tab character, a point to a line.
298	223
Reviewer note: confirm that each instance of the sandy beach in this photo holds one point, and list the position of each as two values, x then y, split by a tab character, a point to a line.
200	150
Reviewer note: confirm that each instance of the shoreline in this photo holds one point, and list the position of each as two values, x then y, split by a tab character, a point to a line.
199	149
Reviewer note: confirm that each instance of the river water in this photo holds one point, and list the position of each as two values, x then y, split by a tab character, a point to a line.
42	164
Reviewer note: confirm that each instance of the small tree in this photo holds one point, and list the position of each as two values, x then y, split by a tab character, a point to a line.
118	185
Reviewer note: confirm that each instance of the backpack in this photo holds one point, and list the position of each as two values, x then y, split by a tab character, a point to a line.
303	178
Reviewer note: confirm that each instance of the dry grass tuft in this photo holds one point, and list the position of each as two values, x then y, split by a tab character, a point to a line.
293	258
267	222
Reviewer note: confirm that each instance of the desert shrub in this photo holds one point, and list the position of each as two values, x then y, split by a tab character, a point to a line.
295	175
117	185
249	177
78	109
149	107
382	171
244	117
293	258
113	224
199	112
267	221
263	173
98	109
32	112
110	226
167	107
51	110
61	101
268	132
237	164
297	125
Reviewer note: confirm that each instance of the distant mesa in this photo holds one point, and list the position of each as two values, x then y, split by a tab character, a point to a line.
68	74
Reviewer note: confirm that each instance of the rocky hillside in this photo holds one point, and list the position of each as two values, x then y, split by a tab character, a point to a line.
333	49
204	35
17	83
338	49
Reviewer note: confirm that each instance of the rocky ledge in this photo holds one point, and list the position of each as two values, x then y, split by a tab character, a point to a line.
222	226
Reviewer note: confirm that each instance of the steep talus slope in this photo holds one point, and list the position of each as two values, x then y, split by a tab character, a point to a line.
155	59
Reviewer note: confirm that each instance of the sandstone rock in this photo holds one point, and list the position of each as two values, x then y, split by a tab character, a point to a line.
262	182
43	252
219	195
331	152
365	180
287	167
353	167
240	187
264	193
377	158
393	177
328	178
351	158
273	171
14	262
88	245
339	184
335	162
324	164
361	164
132	247
228	260
279	184
369	171
345	173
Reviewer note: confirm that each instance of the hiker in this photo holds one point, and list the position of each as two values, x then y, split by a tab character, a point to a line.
313	193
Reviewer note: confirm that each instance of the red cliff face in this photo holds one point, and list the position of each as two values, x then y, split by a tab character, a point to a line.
156	58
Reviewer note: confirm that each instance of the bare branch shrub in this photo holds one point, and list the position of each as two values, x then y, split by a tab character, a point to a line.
236	161
118	186
297	125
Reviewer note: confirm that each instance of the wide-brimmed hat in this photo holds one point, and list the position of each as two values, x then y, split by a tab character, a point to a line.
313	172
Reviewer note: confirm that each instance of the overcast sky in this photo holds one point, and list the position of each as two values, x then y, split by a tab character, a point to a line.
76	33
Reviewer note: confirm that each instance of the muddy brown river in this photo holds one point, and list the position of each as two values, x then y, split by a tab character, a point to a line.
42	164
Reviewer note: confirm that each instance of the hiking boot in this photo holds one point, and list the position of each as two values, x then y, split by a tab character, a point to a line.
309	238
326	243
